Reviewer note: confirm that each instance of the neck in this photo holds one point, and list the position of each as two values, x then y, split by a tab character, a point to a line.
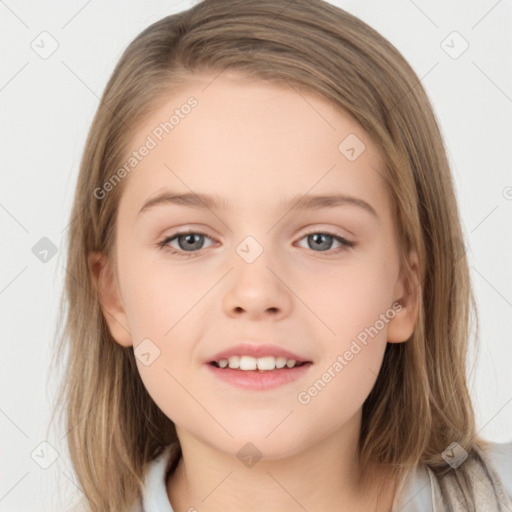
324	476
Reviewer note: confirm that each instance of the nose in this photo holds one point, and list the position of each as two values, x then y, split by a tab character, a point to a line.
257	291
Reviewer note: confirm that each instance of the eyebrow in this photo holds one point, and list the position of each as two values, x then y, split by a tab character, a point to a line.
213	202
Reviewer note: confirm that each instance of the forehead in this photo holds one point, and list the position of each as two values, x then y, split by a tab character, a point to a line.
252	140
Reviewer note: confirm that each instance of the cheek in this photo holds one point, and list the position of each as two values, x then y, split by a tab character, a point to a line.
337	391
350	300
164	308
355	308
157	297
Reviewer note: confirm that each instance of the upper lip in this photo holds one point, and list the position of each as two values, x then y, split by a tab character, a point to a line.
256	350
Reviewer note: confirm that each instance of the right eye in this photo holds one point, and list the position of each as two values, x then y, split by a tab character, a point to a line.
188	241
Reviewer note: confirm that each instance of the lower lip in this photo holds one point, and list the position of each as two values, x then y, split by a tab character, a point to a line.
251	379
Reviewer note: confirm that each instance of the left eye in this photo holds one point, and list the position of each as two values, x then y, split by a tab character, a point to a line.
320	239
191	241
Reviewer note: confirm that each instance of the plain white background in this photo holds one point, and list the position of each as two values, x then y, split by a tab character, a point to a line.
47	105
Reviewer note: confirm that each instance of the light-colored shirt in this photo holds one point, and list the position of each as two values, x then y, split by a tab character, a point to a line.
421	492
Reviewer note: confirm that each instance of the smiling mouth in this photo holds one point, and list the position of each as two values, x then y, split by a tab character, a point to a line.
258	374
257	370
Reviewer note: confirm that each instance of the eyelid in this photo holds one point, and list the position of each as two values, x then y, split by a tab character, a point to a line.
318	228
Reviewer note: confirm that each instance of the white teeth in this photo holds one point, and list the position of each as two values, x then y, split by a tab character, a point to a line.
234	362
247	363
266	363
280	362
253	363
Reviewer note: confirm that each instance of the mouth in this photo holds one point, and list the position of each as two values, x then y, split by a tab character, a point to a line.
258	365
259	374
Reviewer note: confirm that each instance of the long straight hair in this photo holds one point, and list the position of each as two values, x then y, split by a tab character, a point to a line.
420	403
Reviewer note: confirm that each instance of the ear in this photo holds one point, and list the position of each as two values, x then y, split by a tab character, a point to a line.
407	294
110	299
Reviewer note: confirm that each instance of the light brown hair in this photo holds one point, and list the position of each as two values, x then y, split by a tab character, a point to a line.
420	403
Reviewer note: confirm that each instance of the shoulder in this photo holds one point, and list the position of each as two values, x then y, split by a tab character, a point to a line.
154	493
424	492
485	479
499	458
416	494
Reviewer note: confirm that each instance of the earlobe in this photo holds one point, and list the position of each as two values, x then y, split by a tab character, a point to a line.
407	293
109	298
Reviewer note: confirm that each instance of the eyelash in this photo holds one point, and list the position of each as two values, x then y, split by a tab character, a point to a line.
346	244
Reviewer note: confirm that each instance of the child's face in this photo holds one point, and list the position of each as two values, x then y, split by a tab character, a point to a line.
256	146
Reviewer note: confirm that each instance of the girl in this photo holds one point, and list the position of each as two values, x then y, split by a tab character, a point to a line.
268	307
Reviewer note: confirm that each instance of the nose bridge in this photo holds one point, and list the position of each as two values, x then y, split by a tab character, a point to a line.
253	234
257	260
250	249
